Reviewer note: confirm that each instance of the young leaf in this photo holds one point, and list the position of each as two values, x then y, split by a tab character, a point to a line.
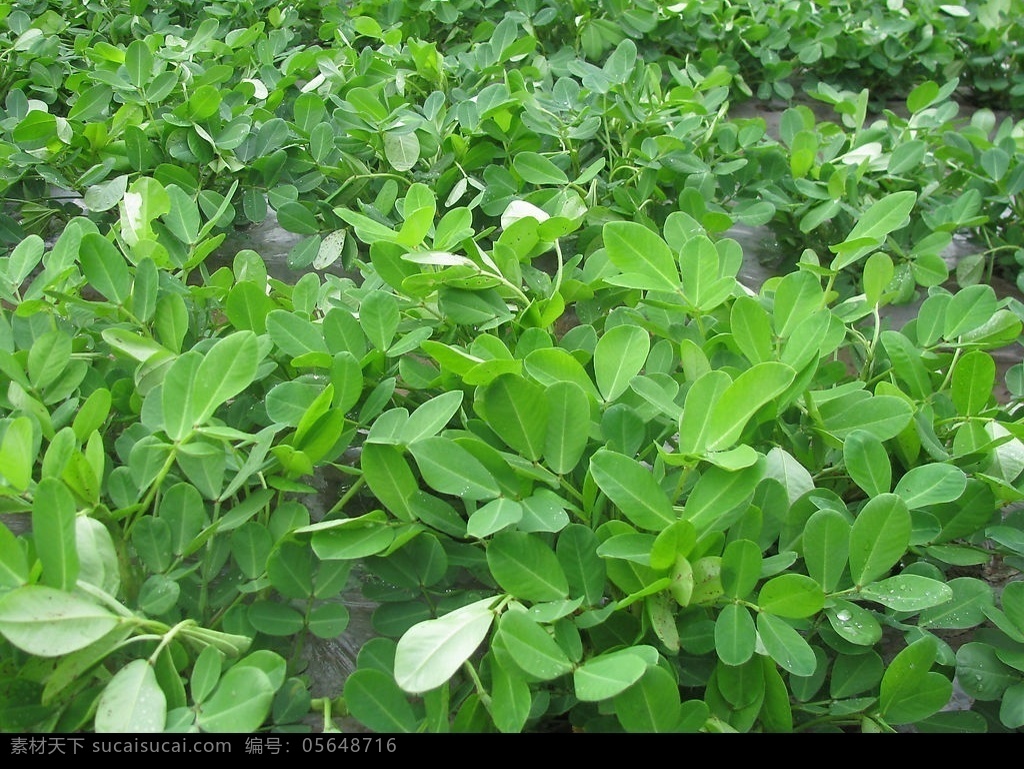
430	653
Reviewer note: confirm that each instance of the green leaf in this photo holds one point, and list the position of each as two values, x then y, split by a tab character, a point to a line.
701	279
496	515
981	673
735	634
785	645
908	592
931	484
49	623
53	526
510	700
884	216
145	200
752	329
374	699
694	423
567	426
584	569
183	218
132	702
451	469
295	335
741	568
619	356
909	692
604	676
537	169
974	378
13	561
867	462
632	488
969	309
878	274
791	595
48	357
402	150
328	620
350	543
751	390
965	609
826	547
379	317
290	569
879	538
531	647
906	363
430	417
275	619
105	268
430	652
390	478
240	703
718	494
636	250
227	368
854	623
883	416
551	365
17	453
523	565
651	705
517	410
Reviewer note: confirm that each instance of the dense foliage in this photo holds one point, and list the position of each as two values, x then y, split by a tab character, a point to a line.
589	478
